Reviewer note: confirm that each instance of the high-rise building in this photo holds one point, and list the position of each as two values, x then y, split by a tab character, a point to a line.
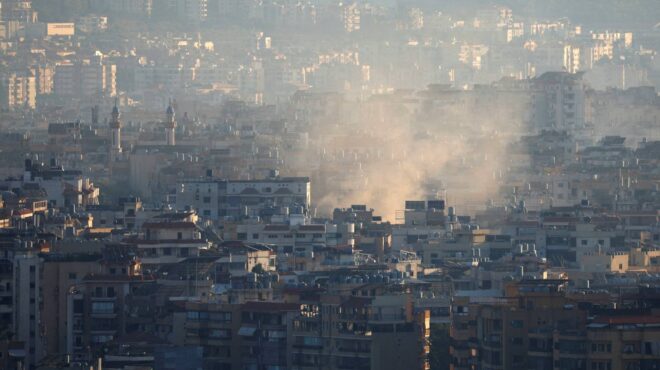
170	125
27	311
18	10
19	91
115	127
92	77
351	17
561	101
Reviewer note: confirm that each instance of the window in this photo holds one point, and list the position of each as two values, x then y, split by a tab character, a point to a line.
111	292
78	306
255	236
220	333
72	276
317	235
241	236
183	252
601	347
220	316
98	292
207	200
311	341
601	365
101	338
167	251
103	307
629	348
517	324
197	315
179	235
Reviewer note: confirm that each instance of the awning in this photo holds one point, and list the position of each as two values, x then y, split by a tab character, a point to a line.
17	353
246	331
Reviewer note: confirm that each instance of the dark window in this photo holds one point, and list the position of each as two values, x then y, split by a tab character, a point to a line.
78	306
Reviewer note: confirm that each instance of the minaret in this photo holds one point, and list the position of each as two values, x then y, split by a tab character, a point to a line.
170	125
115	126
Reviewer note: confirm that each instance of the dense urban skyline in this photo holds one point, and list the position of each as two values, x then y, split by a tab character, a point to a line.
325	184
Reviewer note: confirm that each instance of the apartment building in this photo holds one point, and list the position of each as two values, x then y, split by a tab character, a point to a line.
169	238
18	91
217	199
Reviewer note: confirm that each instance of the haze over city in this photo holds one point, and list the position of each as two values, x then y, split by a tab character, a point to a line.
325	184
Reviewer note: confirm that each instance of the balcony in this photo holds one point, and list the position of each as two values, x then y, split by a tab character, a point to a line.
103	331
354	365
308	347
387	317
103	299
352	351
103	314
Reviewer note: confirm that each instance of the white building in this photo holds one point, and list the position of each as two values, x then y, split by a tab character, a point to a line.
215	199
170	238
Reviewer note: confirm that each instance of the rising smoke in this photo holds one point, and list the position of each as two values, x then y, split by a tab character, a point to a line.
397	147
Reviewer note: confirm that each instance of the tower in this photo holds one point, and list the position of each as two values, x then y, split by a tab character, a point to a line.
170	125
115	126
